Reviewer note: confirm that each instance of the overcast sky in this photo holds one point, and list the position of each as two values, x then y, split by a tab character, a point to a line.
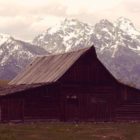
25	19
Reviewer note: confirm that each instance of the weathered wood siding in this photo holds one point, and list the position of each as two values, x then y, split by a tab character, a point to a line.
42	103
88	103
11	109
88	70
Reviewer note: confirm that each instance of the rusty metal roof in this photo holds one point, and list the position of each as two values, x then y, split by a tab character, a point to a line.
48	69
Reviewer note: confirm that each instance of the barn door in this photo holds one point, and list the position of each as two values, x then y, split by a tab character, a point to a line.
71	107
101	111
98	110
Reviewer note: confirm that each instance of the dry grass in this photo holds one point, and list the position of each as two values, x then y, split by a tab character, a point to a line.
70	131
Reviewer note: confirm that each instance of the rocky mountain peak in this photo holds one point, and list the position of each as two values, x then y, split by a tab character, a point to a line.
126	26
104	22
4	38
117	44
125	21
70	33
15	55
4	35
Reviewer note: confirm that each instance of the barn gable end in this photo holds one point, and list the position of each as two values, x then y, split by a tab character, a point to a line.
89	70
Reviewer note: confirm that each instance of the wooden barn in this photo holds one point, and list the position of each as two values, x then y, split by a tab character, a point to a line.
73	86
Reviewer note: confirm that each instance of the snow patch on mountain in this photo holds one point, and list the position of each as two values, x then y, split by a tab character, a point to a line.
118	48
4	38
126	25
117	44
15	55
70	34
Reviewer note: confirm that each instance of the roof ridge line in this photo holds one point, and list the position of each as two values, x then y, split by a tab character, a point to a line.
72	51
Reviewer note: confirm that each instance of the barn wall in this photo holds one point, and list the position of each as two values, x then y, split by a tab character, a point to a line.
38	103
86	92
42	103
61	102
88	70
128	108
88	103
72	103
11	108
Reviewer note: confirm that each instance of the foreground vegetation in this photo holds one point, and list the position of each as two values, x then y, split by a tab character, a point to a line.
70	131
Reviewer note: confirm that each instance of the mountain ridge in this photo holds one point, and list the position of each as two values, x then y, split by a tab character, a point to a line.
117	46
114	43
15	55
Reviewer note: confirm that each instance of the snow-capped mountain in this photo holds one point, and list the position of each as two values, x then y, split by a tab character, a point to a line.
118	48
117	44
70	34
15	55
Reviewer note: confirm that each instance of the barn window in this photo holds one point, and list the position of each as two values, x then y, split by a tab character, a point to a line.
72	99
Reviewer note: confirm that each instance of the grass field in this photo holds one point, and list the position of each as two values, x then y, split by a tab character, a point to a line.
70	131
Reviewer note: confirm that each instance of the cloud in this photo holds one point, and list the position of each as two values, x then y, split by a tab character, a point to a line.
89	6
54	7
26	18
43	23
132	6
